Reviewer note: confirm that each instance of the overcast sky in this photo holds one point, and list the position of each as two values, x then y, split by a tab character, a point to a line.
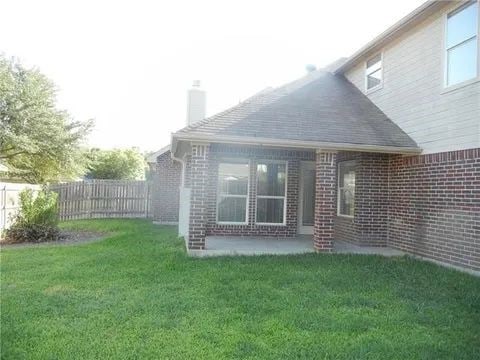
128	64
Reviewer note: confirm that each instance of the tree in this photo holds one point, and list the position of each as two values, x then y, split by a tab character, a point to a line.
116	164
38	142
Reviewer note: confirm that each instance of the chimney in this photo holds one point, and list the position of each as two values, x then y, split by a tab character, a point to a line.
196	103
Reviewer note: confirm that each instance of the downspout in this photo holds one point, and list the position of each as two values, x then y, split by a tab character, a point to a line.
181	232
173	148
181	161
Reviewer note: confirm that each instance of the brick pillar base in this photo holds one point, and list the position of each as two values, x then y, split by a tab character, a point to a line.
198	200
325	201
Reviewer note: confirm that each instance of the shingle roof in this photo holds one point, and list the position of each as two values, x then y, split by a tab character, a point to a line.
320	107
152	158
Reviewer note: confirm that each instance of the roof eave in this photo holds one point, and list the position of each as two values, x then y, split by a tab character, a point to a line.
298	144
152	158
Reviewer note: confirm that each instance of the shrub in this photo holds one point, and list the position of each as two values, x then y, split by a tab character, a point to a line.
37	219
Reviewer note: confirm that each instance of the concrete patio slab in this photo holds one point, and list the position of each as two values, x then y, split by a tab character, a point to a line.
301	244
343	247
238	245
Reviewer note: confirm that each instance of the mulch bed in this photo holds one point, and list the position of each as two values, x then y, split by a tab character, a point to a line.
67	237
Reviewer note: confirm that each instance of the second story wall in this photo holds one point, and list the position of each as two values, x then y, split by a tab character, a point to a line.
413	94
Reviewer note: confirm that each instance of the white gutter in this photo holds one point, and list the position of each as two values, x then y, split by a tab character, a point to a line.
294	144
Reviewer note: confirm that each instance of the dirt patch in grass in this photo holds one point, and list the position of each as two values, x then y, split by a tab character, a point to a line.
66	237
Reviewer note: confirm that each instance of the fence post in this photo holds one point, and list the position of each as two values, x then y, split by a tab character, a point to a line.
90	201
146	192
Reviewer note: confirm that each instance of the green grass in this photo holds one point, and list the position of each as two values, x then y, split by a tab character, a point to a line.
136	295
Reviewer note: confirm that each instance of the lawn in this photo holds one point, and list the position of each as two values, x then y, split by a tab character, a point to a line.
136	295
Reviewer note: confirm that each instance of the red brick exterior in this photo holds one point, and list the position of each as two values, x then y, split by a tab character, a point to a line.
202	177
325	201
199	167
344	229
427	205
166	178
254	155
369	225
434	206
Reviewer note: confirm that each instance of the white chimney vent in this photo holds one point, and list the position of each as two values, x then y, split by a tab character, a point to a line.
196	103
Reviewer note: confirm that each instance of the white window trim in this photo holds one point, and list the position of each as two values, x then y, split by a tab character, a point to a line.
219	196
271	196
446	87
379	86
353	162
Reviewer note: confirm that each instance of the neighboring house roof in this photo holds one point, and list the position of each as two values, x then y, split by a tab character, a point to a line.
404	24
152	158
320	110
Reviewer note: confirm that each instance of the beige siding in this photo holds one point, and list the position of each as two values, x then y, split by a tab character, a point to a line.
413	94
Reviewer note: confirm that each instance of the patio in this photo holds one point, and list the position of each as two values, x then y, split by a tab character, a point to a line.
238	245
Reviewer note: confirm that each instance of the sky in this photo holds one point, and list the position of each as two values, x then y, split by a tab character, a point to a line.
128	64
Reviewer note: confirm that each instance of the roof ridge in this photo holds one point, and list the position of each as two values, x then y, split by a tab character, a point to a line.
262	93
222	113
281	91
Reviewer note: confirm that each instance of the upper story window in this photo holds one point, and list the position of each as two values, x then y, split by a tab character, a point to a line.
232	199
462	44
373	72
346	188
271	192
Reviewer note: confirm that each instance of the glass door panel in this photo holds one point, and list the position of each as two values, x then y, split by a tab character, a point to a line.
308	197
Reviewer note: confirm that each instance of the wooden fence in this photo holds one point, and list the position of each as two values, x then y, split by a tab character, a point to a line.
103	199
9	202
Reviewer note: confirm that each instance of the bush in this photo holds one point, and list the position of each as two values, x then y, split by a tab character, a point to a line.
116	164
37	219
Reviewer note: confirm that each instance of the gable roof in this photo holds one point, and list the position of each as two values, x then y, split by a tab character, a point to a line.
320	110
152	158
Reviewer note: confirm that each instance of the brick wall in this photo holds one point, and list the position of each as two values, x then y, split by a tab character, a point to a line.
371	206
369	225
198	180
166	175
345	229
217	153
325	201
427	205
434	206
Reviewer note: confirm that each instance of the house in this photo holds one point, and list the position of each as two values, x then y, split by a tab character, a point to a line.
382	150
167	173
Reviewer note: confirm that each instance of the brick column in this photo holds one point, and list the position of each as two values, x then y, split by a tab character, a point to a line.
198	200
325	200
